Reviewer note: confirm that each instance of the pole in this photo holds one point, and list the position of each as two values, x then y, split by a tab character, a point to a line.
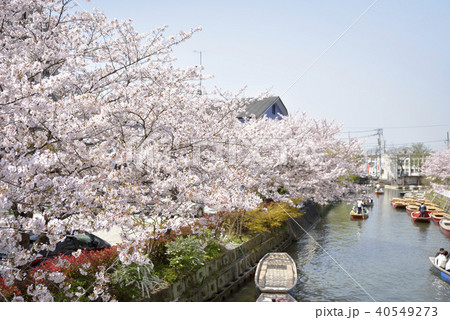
200	80
448	141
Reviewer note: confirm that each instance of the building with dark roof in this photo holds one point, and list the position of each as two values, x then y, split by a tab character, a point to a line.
271	107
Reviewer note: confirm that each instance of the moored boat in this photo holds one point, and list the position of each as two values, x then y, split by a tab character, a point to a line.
275	297
445	275
444	224
395	199
436	217
411	208
276	273
415	216
399	204
359	216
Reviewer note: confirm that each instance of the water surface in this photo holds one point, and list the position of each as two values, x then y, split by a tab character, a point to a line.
383	258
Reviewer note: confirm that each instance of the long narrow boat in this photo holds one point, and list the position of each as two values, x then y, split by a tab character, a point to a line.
275	297
445	275
276	273
415	216
359	216
444	224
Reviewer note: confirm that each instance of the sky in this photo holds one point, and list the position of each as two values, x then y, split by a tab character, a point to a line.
390	70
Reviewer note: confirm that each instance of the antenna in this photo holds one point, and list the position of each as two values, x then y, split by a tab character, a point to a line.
448	141
200	80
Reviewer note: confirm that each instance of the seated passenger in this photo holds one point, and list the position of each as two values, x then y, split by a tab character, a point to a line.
441	250
441	259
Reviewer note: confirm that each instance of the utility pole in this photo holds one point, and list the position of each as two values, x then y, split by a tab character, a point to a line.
200	80
448	141
378	151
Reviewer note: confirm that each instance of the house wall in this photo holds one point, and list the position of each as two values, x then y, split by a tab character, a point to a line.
388	167
392	166
270	114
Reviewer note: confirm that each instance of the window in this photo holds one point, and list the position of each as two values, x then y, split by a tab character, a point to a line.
84	240
273	109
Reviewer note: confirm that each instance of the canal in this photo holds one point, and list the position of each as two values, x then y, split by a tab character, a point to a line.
383	258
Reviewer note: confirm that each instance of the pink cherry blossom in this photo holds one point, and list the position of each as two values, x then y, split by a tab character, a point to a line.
99	129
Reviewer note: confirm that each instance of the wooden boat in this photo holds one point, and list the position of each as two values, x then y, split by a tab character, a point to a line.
368	203
379	191
276	273
275	297
415	216
356	216
410	208
399	204
395	199
445	275
436	217
434	209
444	224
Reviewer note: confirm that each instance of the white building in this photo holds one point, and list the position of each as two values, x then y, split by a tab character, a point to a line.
401	168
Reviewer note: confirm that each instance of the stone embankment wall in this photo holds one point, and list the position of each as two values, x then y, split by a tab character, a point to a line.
221	277
442	199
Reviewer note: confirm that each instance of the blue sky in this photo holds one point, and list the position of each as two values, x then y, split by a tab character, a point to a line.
391	70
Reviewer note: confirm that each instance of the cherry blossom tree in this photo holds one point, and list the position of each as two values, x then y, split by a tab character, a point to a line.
301	155
98	129
437	167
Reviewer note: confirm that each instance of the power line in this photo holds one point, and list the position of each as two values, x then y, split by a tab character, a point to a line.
361	131
402	127
330	46
329	255
413	127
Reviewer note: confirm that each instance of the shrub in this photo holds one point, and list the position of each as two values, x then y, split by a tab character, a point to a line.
79	272
134	282
269	218
186	253
7	293
192	251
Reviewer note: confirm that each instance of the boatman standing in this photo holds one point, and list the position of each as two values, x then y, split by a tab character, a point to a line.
422	209
364	199
359	205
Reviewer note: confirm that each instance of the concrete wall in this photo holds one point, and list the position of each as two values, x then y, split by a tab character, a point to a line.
442	199
299	226
222	277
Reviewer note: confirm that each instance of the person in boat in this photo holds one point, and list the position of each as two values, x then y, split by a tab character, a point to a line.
364	200
441	260
422	209
441	250
359	204
447	265
378	186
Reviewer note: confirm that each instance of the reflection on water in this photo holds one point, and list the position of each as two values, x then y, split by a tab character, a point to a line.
386	255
